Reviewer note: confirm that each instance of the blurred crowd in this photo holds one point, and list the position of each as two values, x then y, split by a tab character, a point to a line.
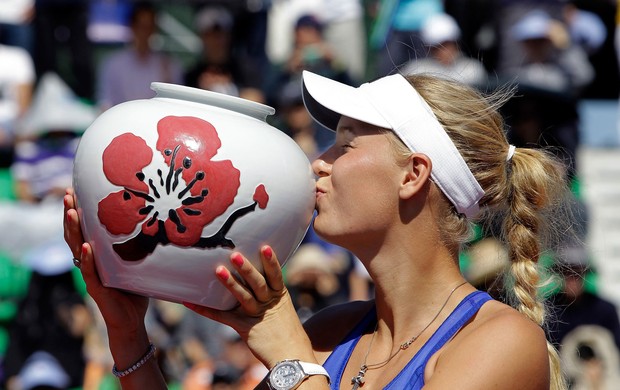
63	62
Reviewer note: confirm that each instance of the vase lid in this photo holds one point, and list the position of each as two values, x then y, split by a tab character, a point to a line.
244	106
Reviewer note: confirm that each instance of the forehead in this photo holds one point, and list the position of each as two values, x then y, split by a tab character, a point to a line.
350	125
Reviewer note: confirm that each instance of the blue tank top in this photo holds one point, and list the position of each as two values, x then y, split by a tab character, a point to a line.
412	376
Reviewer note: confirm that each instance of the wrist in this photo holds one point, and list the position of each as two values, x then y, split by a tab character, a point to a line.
119	373
302	354
127	348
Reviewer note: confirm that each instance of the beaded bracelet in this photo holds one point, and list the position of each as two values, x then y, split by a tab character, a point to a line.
149	354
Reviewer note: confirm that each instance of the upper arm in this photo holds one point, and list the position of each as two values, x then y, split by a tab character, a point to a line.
505	352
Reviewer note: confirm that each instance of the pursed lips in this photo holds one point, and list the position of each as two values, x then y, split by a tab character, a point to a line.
320	192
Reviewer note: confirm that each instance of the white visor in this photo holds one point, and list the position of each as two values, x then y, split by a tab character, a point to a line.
391	102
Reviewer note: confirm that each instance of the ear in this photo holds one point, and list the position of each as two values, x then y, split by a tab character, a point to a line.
417	173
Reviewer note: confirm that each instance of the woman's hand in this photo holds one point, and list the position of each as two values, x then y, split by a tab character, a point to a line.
122	312
265	318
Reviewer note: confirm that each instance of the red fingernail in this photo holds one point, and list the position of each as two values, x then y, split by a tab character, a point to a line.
222	273
190	306
236	259
267	252
84	249
68	217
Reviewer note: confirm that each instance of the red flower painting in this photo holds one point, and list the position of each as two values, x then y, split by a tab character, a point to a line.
171	203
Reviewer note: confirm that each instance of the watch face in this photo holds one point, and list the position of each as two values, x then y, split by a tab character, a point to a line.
285	376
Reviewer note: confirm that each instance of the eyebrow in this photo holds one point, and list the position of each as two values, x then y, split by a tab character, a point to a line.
346	129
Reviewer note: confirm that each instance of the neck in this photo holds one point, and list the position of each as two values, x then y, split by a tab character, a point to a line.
412	279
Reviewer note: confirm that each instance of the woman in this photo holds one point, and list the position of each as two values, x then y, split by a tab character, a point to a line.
415	161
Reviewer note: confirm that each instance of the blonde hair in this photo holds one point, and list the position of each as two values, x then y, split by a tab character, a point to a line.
520	190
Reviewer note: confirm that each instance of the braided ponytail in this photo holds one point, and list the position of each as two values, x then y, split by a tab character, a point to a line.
534	186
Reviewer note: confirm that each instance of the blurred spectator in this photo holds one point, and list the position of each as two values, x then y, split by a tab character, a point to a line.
108	21
249	41
606	83
15	23
550	79
127	74
49	134
345	32
202	377
42	371
441	34
478	20
551	61
235	367
507	14
97	356
218	70
43	168
343	25
585	326
590	359
396	34
185	339
61	39
575	305
294	120
488	259
310	52
586	29
283	15
53	318
311	277
17	78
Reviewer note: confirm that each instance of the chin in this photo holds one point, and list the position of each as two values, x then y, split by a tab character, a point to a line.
329	235
322	229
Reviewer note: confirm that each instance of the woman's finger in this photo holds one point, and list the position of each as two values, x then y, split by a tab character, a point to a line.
89	272
254	280
241	293
71	225
272	269
69	202
217	315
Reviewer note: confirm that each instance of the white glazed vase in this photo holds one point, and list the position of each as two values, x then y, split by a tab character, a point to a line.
168	187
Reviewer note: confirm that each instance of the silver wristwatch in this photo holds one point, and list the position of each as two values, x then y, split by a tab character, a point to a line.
288	374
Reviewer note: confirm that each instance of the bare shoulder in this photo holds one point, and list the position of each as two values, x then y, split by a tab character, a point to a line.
504	346
329	326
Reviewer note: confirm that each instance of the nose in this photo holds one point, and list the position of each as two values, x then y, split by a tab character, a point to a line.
321	167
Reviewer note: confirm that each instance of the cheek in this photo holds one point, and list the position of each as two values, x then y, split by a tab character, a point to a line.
365	187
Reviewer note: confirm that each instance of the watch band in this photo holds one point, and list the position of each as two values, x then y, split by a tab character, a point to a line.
314	369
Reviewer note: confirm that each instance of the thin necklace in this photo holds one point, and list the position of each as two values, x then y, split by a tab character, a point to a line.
358	380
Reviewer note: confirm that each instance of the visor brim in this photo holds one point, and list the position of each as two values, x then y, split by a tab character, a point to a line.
327	100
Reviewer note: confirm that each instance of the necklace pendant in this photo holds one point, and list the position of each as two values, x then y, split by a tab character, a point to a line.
358	380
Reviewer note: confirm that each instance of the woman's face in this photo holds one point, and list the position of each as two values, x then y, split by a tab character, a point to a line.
357	188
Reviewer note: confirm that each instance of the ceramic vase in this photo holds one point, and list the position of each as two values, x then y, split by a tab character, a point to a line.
168	187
